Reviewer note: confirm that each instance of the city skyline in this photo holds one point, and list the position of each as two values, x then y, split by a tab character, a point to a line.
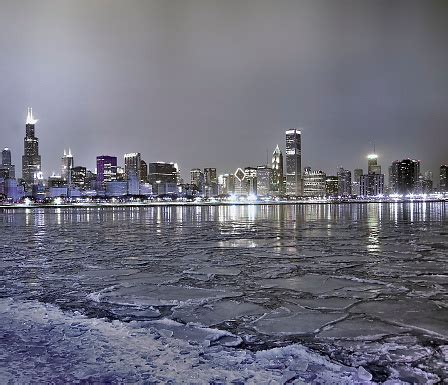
135	159
186	88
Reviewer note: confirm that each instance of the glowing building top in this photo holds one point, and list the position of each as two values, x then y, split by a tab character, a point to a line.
29	118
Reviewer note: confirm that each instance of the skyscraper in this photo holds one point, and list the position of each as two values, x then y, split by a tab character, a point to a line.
293	162
444	178
314	183
264	180
405	175
31	160
8	169
356	185
372	164
210	182
66	164
344	182
106	168
277	171
132	165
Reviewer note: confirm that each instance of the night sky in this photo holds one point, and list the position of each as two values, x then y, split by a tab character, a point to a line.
214	83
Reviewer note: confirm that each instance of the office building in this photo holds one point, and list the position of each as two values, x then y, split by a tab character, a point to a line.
372	164
197	179
250	178
293	162
106	168
132	166
163	177
344	182
210	182
443	178
371	185
143	171
277	171
79	176
66	165
314	183
264	180
31	160
356	184
331	186
405	176
9	170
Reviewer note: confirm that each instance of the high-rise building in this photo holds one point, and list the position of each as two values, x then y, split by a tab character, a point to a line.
356	185
197	179
31	160
250	178
226	183
372	184
314	183
8	170
143	171
132	165
210	182
66	164
344	182
264	180
331	186
240	182
405	176
294	162
277	171
78	176
106	168
372	164
444	178
163	177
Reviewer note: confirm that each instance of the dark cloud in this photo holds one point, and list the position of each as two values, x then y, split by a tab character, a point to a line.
215	83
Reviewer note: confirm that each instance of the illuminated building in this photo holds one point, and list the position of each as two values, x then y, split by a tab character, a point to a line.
163	177
132	165
356	185
444	178
226	184
277	171
9	170
240	183
331	186
250	178
314	183
372	164
344	182
143	171
79	175
405	176
31	160
293	162
66	164
197	179
210	182
106	168
264	180
371	184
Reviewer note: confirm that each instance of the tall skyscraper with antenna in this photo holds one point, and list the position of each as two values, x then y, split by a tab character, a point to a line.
277	171
66	164
31	160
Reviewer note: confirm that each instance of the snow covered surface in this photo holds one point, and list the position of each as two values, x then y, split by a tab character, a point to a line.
264	294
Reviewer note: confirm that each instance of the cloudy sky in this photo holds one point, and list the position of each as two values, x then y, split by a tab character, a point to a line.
214	83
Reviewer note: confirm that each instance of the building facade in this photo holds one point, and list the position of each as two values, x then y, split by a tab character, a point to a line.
371	185
106	168
443	181
405	176
277	171
314	183
331	186
344	182
294	162
132	165
8	169
31	160
67	165
265	176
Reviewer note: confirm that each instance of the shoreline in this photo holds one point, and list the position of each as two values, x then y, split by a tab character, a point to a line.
197	204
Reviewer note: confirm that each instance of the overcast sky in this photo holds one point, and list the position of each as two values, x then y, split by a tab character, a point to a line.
214	83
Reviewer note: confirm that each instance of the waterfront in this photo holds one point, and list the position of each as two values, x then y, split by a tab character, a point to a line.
360	284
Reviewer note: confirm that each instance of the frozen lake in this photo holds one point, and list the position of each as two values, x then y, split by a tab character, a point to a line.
313	293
